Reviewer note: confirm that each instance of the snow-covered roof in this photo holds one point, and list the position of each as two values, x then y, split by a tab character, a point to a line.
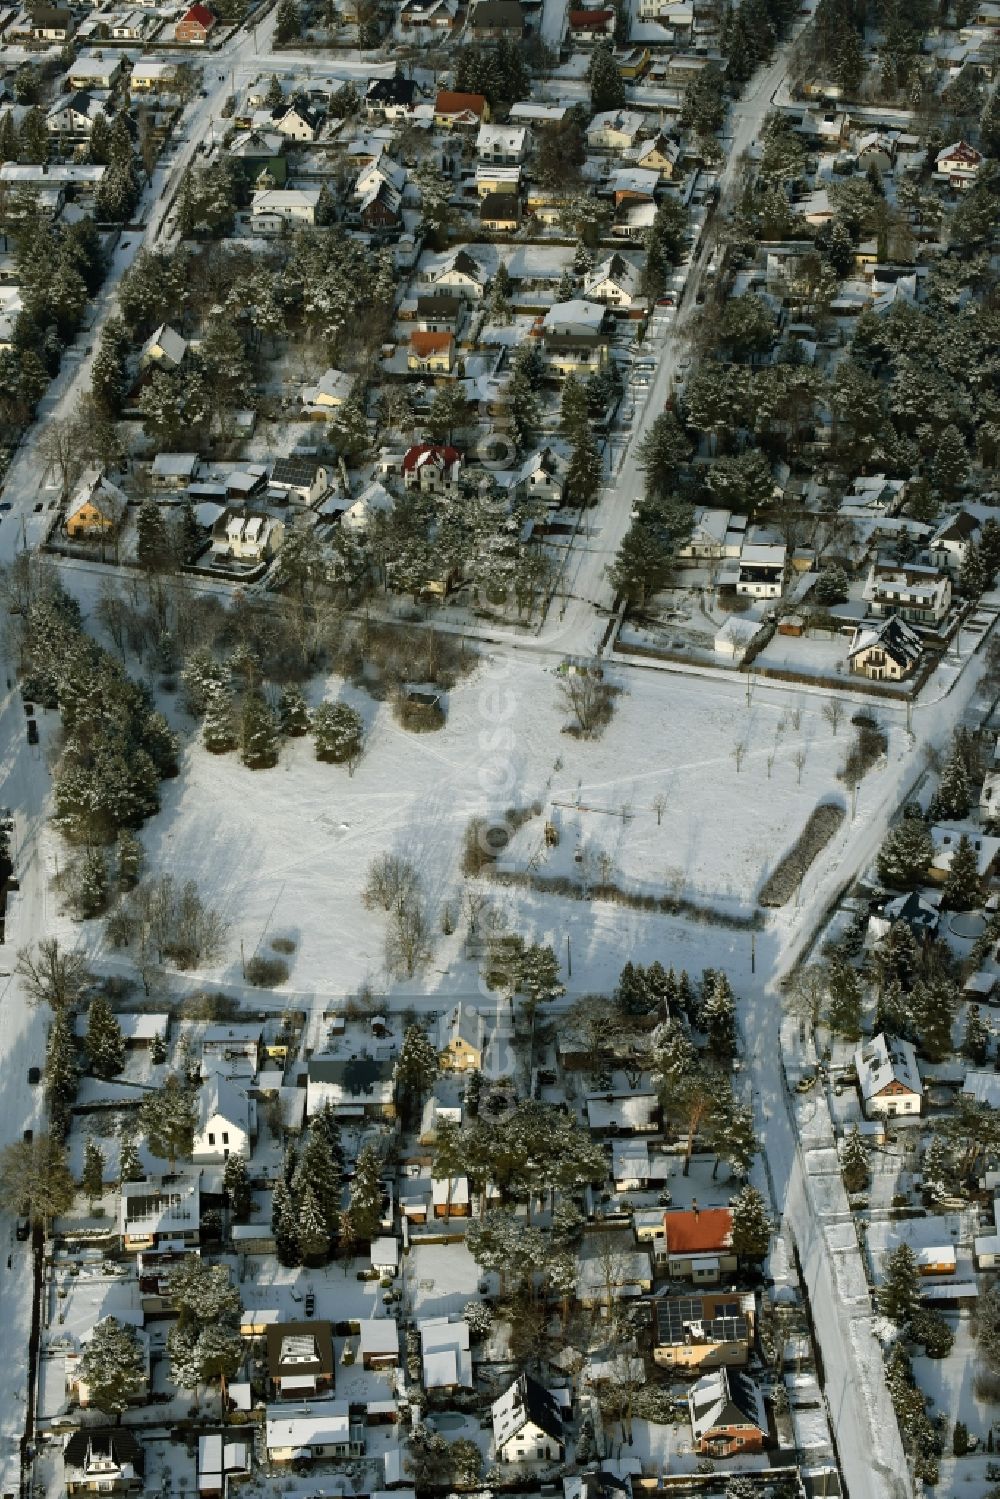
883	1061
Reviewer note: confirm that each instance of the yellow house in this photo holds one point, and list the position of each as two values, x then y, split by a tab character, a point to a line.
453	110
431	352
660	155
575	353
460	1039
97	509
632	64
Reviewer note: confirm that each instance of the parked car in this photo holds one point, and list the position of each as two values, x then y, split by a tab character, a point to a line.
34	1076
32	731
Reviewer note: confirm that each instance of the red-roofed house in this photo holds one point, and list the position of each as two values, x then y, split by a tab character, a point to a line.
960	163
591	25
431	352
432	468
196	26
699	1244
452	109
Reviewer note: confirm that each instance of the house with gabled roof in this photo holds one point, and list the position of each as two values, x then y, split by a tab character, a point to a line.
491	19
295	123
461	275
888	1077
661	154
704	1332
457	111
392	97
431	353
164	347
699	1244
433	468
919	593
727	1414
949	546
528	1424
615	282
461	1039
103	1460
97	508
959	164
591	25
885	650
542	476
360	1087
319	1429
227	1120
195	26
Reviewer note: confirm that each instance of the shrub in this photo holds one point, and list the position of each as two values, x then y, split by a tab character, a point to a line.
783	881
283	944
265	973
419	717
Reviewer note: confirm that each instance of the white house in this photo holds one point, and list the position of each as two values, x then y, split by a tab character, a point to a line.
761	570
461	275
615	129
295	124
226	1120
504	145
542	476
527	1424
275	209
959	164
320	1429
246	536
374	500
920	594
444	1350
888	1077
615	282
330	391
949	546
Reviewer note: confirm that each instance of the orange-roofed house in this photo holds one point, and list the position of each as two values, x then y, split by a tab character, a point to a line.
699	1244
431	353
195	26
455	111
591	25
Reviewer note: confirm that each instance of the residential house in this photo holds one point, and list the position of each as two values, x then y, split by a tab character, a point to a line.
615	282
445	1354
528	1424
574	337
246	536
631	185
918	593
500	212
591	25
630	1113
302	479
959	164
438	314
876	149
356	1087
433	468
97	508
232	1047
431	353
103	1460
433	15
920	916
329	393
461	1039
300	1361
378	1343
391	98
949	546
373	500
497	179
220	1463
312	1432
542	476
458	111
272	211
699	1244
761	570
195	26
166	1217
152	77
257	157
491	19
715	534
133	26
632	62
502	145
603	1281
51	23
874	495
173	470
727	1414
615	130
88	71
139	1031
888	1077
946	838
461	275
704	1332
226	1120
164	347
296	123
661	155
74	116
77	1386
886	651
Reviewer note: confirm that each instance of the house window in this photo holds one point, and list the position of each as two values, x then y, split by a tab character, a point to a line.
225	1138
211	1139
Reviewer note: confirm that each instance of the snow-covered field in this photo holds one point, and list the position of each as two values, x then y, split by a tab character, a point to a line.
284	852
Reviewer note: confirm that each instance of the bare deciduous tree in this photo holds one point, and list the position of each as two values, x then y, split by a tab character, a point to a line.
52	975
799	760
392	881
833	713
739	753
408	936
587	697
659	807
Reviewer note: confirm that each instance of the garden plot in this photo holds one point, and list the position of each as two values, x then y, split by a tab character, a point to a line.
706	804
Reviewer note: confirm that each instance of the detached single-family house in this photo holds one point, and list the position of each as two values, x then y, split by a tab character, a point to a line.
886	651
164	347
51	23
727	1414
433	15
920	594
959	164
699	1244
542	476
232	1047
103	1460
77	1386
715	534
356	1087
500	212
888	1077
299	478
491	19
97	509
272	211
591	25
461	275
331	390
246	536
391	98
949	546
296	123
661	155
458	111
615	282
502	145
946	839
761	570
528	1424
374	500
379	1343
312	1432
162	1217
445	1353
300	1361
173	470
226	1120
461	1034
195	26
433	468
704	1332
431	353
615	129
74	116
920	916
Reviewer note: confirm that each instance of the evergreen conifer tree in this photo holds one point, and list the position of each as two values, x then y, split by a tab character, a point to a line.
105	1043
